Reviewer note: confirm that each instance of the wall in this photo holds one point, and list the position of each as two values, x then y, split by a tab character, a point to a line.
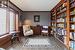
44	17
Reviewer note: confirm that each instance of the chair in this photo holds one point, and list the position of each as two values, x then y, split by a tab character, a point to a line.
14	36
45	30
27	30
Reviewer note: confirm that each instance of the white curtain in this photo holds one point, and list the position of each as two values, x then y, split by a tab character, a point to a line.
2	21
12	21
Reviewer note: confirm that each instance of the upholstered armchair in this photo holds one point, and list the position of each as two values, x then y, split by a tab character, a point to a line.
45	30
27	30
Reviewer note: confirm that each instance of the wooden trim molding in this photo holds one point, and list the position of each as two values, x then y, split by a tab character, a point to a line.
15	5
5	41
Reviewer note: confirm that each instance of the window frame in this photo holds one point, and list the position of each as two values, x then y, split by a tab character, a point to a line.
8	20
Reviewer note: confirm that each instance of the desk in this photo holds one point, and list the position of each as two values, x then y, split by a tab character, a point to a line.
36	30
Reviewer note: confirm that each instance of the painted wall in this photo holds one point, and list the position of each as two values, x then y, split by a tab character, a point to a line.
44	17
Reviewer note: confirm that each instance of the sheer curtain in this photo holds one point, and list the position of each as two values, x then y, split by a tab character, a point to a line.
17	22
2	21
12	21
8	23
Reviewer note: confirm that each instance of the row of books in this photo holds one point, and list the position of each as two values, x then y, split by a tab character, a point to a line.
72	1
61	7
72	45
72	35
72	5
72	12
62	38
65	0
61	10
61	25
61	31
61	20
72	26
61	34
73	19
53	24
62	15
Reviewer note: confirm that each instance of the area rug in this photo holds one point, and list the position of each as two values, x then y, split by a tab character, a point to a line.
37	42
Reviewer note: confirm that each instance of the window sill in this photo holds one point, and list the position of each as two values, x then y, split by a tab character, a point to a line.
2	36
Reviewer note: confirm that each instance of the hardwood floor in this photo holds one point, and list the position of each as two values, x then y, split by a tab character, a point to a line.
20	45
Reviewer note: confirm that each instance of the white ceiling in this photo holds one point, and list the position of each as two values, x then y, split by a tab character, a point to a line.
35	5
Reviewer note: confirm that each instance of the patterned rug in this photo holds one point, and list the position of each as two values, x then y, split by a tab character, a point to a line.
37	42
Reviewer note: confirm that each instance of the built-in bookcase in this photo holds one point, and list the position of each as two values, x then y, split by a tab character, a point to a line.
53	19
72	24
63	21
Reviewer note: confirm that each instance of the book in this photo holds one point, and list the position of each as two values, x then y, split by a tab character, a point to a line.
71	35
71	44
74	35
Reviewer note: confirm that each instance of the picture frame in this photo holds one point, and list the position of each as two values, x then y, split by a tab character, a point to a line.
36	18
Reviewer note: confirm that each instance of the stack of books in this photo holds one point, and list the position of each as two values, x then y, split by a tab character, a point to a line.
61	31
73	19
61	25
72	12
72	26
72	45
61	20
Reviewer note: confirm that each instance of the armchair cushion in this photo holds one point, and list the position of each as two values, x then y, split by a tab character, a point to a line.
27	30
44	31
45	28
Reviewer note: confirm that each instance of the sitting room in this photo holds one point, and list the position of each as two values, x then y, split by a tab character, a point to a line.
37	25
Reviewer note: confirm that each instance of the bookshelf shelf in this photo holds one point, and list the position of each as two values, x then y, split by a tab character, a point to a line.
60	41
64	20
53	26
73	15
61	12
60	27
72	29
60	22
72	7
72	2
72	22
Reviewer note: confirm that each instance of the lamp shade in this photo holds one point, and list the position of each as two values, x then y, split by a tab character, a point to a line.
27	22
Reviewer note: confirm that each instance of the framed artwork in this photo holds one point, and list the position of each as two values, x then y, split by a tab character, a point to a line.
36	18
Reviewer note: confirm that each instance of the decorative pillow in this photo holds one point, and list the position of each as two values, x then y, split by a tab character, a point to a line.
45	27
26	28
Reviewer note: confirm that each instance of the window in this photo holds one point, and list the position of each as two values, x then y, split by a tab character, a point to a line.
12	21
8	23
2	21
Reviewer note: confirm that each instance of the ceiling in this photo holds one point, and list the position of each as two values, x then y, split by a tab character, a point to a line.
35	5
